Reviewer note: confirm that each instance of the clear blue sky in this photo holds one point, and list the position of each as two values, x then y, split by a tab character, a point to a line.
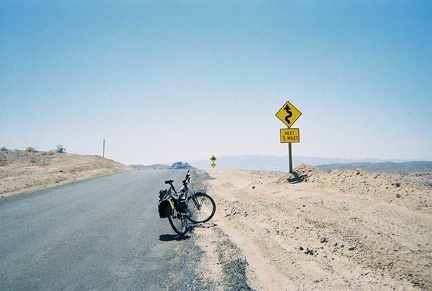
166	81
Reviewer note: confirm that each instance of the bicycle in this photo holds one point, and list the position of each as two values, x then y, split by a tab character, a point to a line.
185	205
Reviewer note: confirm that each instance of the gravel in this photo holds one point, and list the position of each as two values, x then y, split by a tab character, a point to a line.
230	257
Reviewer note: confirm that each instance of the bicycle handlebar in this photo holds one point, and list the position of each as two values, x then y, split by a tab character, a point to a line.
185	181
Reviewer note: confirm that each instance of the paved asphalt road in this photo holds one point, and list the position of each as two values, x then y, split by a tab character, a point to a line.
99	234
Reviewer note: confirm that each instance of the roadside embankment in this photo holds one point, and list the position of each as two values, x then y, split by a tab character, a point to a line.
26	171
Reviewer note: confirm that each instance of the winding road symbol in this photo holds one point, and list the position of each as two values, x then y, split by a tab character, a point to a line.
288	110
288	114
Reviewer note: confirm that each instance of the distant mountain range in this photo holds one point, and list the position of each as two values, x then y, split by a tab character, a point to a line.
175	166
275	163
280	164
415	166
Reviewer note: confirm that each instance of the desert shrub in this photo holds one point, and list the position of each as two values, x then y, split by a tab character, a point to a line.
30	149
60	149
3	149
51	152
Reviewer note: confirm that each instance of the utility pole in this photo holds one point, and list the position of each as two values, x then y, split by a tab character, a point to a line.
103	154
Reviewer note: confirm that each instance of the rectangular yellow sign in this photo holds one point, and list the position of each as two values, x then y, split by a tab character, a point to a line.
289	135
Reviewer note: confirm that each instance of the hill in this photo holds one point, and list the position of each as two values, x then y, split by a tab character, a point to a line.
175	166
280	163
390	167
22	171
261	162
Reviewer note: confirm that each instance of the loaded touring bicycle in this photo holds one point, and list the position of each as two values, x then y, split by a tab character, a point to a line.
185	205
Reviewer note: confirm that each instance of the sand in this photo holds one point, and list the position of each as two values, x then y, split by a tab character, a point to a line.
323	231
24	172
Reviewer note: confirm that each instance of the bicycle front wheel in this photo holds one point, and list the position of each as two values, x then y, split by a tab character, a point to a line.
201	207
178	222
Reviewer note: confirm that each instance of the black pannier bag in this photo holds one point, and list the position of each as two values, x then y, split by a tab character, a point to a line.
181	205
164	207
162	194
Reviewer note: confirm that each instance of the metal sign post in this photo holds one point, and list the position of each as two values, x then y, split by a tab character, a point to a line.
290	157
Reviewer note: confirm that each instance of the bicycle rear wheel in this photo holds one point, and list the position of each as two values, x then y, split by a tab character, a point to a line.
201	207
178	222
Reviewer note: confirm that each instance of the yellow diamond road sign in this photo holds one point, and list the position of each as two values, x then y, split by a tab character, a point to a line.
288	114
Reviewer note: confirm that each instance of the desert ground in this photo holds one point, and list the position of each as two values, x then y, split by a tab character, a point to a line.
311	230
26	171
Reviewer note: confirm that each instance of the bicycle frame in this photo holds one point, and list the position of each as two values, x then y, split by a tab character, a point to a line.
181	211
184	189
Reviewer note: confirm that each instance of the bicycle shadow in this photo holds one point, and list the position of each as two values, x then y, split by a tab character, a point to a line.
173	237
176	237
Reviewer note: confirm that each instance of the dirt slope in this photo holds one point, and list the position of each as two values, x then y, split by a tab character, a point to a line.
24	171
323	231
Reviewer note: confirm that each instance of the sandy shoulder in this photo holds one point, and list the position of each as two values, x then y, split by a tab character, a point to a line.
344	230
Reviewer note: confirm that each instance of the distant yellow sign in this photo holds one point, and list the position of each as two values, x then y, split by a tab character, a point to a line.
288	114
213	159
289	135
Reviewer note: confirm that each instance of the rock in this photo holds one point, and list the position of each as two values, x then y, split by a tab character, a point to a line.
309	251
180	165
323	239
351	248
253	187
